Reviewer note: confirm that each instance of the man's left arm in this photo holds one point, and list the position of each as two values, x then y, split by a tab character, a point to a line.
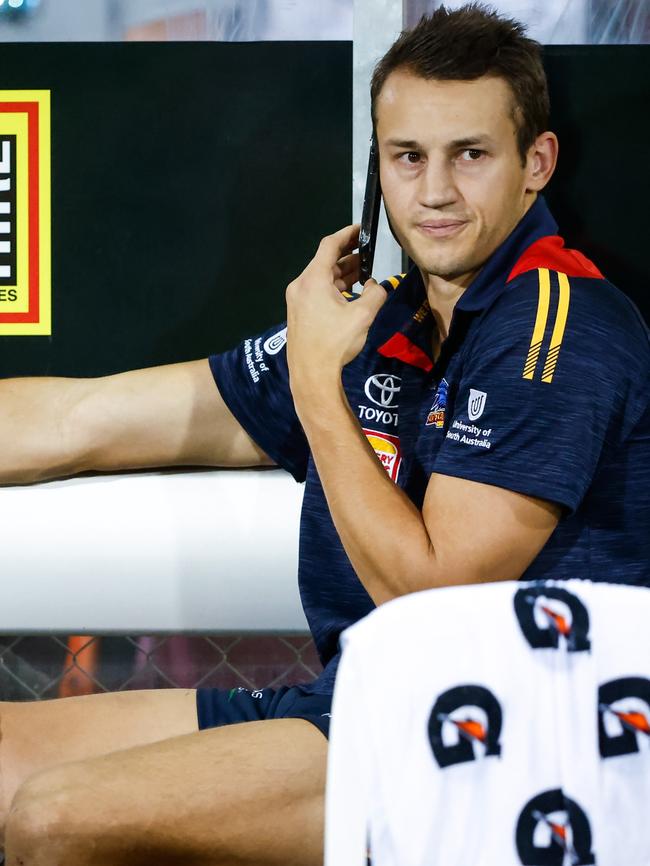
467	532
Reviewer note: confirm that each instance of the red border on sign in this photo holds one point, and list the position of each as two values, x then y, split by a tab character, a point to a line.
33	310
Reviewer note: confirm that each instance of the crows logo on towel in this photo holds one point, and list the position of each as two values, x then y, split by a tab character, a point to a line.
553	830
549	616
624	716
464	725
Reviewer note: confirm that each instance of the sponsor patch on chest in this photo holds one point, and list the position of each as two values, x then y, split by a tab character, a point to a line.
387	449
436	416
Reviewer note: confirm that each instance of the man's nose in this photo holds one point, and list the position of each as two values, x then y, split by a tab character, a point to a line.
437	184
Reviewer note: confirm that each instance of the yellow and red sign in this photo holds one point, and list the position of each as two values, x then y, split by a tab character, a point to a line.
25	213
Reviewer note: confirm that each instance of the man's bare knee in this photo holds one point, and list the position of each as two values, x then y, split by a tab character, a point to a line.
38	830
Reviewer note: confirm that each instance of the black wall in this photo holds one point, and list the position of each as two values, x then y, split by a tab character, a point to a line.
600	194
191	182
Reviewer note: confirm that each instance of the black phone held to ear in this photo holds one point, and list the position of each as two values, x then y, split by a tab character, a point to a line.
370	215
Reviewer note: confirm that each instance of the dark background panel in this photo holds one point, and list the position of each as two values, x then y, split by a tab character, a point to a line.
190	184
600	98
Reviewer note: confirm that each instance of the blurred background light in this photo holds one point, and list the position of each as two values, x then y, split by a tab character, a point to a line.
18	10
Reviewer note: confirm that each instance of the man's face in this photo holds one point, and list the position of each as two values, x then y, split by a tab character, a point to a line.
451	174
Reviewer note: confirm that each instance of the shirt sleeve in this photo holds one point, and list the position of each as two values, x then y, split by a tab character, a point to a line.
253	380
543	388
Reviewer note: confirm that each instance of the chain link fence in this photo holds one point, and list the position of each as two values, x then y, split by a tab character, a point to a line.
53	666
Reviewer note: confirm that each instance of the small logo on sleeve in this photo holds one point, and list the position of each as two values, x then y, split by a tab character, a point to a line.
550	617
465	725
624	716
553	830
276	342
387	449
475	404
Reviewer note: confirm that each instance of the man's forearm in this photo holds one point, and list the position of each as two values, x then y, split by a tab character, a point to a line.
382	531
36	429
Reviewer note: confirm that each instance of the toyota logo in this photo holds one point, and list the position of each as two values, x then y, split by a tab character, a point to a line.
383	389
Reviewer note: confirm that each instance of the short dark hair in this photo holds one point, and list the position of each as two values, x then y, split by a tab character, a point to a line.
468	43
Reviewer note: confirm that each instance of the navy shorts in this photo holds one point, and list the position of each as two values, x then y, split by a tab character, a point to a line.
218	707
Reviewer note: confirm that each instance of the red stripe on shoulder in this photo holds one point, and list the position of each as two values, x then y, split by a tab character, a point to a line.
399	346
550	252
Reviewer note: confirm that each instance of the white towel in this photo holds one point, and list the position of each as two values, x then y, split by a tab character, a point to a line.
494	725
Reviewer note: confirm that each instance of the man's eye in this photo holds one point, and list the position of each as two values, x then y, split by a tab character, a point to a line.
471	155
411	156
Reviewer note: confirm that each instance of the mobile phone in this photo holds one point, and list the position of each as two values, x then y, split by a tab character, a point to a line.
369	215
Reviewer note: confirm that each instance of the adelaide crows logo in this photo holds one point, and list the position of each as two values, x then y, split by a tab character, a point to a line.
553	830
465	724
623	716
549	616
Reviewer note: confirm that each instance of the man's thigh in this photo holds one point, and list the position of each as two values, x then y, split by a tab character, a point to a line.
38	735
248	793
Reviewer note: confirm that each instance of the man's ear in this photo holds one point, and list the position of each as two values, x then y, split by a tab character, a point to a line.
540	161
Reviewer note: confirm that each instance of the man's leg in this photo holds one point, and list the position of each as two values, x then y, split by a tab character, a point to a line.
249	793
38	735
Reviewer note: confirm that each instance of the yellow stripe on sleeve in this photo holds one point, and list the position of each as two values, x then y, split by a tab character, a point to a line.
395	281
540	323
558	328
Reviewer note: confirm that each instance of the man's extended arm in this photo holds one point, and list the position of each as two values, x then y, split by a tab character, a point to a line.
161	416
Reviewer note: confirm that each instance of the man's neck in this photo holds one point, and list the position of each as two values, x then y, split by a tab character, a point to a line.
442	296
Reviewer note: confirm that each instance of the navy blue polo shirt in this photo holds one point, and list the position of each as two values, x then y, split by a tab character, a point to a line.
542	387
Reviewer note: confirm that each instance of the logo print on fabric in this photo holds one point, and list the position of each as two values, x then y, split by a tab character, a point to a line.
382	389
475	404
387	449
549	615
276	343
553	830
465	725
436	414
623	716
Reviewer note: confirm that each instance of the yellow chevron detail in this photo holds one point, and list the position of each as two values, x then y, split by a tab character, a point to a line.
558	328
531	361
540	323
395	281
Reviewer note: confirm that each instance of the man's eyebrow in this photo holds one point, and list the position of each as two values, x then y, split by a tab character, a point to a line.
470	141
456	144
407	144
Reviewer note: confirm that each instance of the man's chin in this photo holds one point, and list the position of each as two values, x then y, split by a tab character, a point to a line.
450	271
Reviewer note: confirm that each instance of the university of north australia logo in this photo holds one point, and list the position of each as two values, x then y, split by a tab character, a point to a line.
552	830
551	617
382	390
436	416
465	725
475	404
274	344
387	449
624	716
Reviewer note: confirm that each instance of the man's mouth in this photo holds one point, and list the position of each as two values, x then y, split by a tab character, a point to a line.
442	228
